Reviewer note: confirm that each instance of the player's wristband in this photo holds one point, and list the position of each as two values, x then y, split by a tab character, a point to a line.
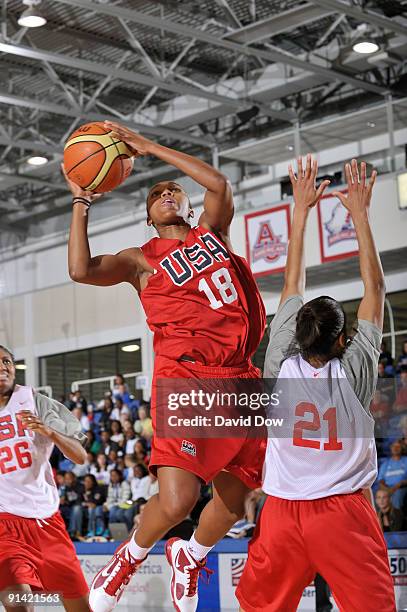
80	200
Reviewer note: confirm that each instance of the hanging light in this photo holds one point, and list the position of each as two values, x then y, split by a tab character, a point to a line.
32	17
37	160
365	47
130	348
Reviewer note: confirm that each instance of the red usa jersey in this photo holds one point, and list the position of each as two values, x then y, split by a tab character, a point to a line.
202	301
27	486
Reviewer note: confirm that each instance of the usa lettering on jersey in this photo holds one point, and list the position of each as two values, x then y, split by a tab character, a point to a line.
183	263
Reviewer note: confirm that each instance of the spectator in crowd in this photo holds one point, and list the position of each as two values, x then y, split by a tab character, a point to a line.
253	504
126	424
385	382
402	360
104	421
385	356
82	418
140	454
119	386
107	443
390	518
118	501
400	405
71	505
82	470
137	517
78	398
120	409
116	433
130	441
94	445
129	462
322	595
152	486
403	439
144	425
100	471
380	407
93	500
112	459
392	475
140	483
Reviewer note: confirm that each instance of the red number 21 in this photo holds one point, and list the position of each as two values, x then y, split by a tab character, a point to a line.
315	425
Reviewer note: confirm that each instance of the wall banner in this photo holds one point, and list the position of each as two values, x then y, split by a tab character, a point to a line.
337	235
267	235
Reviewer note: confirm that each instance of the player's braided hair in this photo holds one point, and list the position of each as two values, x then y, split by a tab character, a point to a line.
320	322
6	350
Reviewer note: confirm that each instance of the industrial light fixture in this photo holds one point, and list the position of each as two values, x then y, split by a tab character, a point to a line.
37	160
370	124
365	47
130	348
289	147
21	366
32	16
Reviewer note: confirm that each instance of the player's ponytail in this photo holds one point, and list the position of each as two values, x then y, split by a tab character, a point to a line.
320	322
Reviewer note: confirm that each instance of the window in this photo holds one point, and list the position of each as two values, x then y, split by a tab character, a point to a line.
20	371
52	373
60	371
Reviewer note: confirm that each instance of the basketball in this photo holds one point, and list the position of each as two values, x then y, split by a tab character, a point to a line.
96	161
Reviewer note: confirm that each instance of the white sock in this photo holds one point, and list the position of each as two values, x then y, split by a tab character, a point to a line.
136	551
196	549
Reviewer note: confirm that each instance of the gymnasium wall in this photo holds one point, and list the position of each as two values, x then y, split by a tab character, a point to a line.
43	312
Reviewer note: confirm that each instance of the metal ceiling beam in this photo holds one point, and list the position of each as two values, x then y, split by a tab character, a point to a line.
29	145
276	24
10	99
137	78
365	16
124	75
20	179
271	55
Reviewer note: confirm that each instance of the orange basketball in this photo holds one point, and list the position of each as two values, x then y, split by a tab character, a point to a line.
96	161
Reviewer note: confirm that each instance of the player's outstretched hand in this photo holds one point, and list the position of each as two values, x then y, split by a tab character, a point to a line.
305	192
33	422
77	191
139	145
359	192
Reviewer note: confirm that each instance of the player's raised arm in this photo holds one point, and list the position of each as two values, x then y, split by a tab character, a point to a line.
218	202
357	201
306	195
103	269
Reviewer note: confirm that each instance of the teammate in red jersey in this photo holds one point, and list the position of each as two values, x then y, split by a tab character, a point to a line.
36	553
208	318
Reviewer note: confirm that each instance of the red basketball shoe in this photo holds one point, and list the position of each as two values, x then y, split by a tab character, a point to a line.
185	573
109	584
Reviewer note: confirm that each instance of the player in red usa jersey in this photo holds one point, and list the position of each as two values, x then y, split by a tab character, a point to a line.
208	318
36	553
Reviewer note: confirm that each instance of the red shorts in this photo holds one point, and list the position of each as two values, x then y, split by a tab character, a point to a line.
338	537
243	457
39	553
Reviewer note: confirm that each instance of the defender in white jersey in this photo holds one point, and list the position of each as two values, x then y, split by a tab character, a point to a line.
320	465
36	553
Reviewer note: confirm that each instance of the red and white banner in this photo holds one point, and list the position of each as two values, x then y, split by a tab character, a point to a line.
267	236
337	235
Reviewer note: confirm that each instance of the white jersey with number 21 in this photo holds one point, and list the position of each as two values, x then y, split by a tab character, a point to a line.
326	446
